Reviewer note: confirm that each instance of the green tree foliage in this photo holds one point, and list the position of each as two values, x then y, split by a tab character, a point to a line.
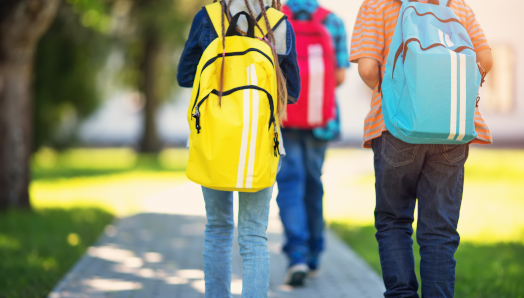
160	29
74	50
67	62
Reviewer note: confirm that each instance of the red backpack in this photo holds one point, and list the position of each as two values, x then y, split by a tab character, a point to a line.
317	61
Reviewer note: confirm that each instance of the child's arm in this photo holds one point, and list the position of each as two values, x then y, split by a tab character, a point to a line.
485	59
336	27
367	45
369	71
480	43
341	76
289	66
192	53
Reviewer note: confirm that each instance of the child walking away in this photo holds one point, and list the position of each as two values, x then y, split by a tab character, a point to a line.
240	59
425	61
323	58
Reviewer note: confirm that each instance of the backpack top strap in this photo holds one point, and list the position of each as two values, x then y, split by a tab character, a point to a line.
446	3
214	11
275	18
320	15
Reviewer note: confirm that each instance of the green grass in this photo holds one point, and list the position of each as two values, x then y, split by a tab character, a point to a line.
77	192
115	180
37	248
493	270
74	195
49	165
490	258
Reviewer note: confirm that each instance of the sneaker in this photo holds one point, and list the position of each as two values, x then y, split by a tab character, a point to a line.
313	266
296	275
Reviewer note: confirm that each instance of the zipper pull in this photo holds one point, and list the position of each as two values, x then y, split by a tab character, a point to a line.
196	115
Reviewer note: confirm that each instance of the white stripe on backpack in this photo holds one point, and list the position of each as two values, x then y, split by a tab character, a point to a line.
316	84
448	41
443	36
254	129
462	118
246	136
456	66
245	133
453	113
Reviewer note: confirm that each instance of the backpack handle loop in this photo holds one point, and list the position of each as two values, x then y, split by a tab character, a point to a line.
446	3
250	28
320	15
301	15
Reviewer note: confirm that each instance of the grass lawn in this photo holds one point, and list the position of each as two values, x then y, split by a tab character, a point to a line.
490	258
74	195
37	248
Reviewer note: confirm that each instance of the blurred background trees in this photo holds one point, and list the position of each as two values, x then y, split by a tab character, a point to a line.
70	75
22	23
68	60
69	85
159	28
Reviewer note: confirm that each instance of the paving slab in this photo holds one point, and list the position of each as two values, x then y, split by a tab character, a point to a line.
158	253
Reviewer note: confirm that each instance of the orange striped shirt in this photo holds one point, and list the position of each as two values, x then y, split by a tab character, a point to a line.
374	28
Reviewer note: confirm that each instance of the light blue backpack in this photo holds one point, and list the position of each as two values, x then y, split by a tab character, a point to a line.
431	82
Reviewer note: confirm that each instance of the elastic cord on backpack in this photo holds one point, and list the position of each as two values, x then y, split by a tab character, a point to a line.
276	148
478	99
482	73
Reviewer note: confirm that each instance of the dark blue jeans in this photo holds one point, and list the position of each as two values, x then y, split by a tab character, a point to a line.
433	174
300	193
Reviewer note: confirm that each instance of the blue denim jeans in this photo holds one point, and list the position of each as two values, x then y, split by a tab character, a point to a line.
433	174
300	193
253	215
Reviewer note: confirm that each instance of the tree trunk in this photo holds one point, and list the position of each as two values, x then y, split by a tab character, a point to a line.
22	23
149	142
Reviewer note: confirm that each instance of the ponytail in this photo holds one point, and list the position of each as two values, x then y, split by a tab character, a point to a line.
281	81
221	84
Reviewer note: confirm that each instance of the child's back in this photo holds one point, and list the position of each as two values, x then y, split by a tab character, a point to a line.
372	37
240	75
202	34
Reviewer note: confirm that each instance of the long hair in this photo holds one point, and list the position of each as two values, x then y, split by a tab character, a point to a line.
270	40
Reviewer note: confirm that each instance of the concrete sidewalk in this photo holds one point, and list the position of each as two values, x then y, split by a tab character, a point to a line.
158	253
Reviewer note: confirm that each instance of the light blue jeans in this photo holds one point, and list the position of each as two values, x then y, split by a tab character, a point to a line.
253	216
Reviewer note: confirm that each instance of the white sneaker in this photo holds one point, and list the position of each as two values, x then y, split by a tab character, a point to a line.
296	275
312	273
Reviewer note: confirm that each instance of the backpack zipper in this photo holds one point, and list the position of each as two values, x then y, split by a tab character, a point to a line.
210	61
404	46
272	120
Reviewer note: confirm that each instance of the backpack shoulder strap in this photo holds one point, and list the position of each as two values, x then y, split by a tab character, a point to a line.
320	15
275	18
214	11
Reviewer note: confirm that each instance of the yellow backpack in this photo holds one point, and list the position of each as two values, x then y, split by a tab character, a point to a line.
235	146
